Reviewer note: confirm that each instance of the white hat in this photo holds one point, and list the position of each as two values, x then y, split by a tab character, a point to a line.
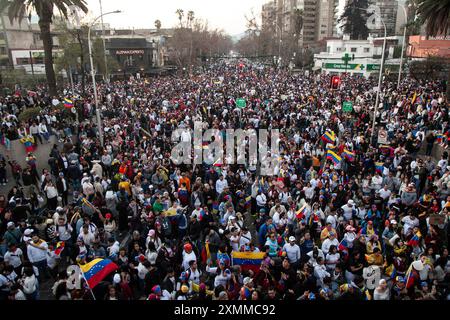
393	221
10	224
116	278
351	202
27	232
231	218
247	280
291	238
418	265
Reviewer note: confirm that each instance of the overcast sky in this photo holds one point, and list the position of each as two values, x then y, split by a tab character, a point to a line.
227	15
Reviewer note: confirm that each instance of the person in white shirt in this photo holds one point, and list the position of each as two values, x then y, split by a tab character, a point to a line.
86	235
385	193
349	209
327	243
332	258
409	222
221	184
188	255
43	131
376	182
37	253
320	271
261	200
14	257
332	219
292	251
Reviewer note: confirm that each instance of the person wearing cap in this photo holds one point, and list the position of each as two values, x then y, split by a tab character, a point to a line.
12	235
188	255
326	231
349	210
293	252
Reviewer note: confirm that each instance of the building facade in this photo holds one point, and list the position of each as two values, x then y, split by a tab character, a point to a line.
363	56
422	47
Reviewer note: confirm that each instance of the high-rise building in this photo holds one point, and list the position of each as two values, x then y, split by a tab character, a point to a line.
388	12
325	21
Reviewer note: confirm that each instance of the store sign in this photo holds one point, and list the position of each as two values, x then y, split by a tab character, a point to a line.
347	106
373	67
350	66
129	52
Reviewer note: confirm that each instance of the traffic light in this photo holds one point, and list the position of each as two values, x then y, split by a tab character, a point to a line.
335	82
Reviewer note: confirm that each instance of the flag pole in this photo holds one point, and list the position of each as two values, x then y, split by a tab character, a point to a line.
87	283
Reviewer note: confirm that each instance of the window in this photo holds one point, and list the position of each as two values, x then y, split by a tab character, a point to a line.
366	50
353	49
2	50
22	61
328	49
338	49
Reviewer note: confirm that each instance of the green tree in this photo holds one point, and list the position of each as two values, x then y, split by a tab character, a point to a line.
435	15
354	19
17	9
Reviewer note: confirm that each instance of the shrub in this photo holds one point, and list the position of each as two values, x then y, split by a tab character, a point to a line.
29	114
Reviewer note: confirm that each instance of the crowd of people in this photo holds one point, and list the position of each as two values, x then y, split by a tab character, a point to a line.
371	224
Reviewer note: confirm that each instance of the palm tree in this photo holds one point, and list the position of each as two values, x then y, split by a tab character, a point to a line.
435	15
17	9
190	18
158	25
180	14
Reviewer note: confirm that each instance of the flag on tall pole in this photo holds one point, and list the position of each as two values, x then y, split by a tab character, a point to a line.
97	270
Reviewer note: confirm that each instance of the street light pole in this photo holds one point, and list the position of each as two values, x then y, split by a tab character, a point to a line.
403	47
97	110
380	78
104	45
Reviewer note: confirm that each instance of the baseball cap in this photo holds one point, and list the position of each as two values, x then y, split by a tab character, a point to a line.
291	238
10	224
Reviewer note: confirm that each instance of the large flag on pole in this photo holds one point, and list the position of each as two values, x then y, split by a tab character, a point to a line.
97	270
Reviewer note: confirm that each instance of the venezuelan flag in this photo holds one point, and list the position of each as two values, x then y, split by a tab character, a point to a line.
248	200
335	158
329	137
59	248
409	277
300	214
247	260
343	246
390	271
215	207
68	103
350	156
379	167
414	241
96	270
